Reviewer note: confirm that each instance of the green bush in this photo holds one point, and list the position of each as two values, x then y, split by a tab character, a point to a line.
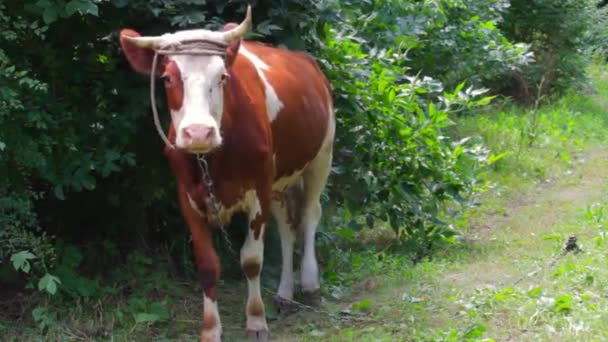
450	40
562	35
394	163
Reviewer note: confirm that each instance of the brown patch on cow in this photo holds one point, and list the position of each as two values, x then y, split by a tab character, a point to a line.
252	268
305	114
294	202
174	86
209	320
207	261
255	308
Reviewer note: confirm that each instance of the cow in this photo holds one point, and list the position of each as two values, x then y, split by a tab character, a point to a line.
252	130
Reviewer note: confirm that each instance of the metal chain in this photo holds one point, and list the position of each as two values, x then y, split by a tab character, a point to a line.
340	317
214	205
213	202
569	246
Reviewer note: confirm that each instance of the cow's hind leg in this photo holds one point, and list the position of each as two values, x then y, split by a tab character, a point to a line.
315	178
252	259
285	208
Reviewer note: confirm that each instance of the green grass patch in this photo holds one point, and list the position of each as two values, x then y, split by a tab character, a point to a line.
530	145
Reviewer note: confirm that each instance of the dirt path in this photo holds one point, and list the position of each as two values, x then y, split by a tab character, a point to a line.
529	217
484	289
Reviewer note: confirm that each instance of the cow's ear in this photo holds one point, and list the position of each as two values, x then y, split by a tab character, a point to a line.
139	58
233	49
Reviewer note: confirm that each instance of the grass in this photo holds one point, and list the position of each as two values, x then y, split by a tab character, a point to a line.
501	281
500	284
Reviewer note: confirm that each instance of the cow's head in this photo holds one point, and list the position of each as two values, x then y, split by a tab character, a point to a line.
193	82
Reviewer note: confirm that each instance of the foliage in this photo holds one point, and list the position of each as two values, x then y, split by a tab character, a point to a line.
83	181
394	162
451	40
72	122
525	139
68	122
562	35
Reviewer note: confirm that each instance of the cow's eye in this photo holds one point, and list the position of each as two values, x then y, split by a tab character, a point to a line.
224	77
165	78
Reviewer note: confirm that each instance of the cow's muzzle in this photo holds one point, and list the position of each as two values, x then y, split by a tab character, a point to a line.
199	138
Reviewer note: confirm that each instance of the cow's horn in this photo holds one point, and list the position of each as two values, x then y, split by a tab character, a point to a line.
146	42
240	30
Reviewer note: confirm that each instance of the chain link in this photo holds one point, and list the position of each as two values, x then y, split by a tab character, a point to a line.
212	201
569	246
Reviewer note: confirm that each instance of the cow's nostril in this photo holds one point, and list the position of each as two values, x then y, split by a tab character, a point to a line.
198	133
210	133
186	134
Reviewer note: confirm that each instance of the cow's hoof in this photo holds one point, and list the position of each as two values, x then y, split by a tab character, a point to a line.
211	336
285	306
258	335
312	298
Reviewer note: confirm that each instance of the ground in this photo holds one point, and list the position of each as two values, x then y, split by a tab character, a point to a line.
507	284
507	277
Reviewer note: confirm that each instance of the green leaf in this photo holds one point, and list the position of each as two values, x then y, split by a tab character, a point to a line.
493	158
59	192
364	305
120	3
49	15
475	331
563	304
144	317
21	261
82	7
535	292
48	283
72	7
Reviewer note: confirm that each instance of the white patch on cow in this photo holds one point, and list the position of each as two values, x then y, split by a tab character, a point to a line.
203	100
273	103
285	182
288	239
248	202
176	37
309	269
331	125
210	310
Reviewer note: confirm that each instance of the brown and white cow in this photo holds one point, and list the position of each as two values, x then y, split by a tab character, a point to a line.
263	118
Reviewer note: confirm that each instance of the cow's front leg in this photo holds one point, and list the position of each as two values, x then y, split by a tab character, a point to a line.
207	265
252	259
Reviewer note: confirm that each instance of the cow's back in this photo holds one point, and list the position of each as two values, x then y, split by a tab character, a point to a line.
301	112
